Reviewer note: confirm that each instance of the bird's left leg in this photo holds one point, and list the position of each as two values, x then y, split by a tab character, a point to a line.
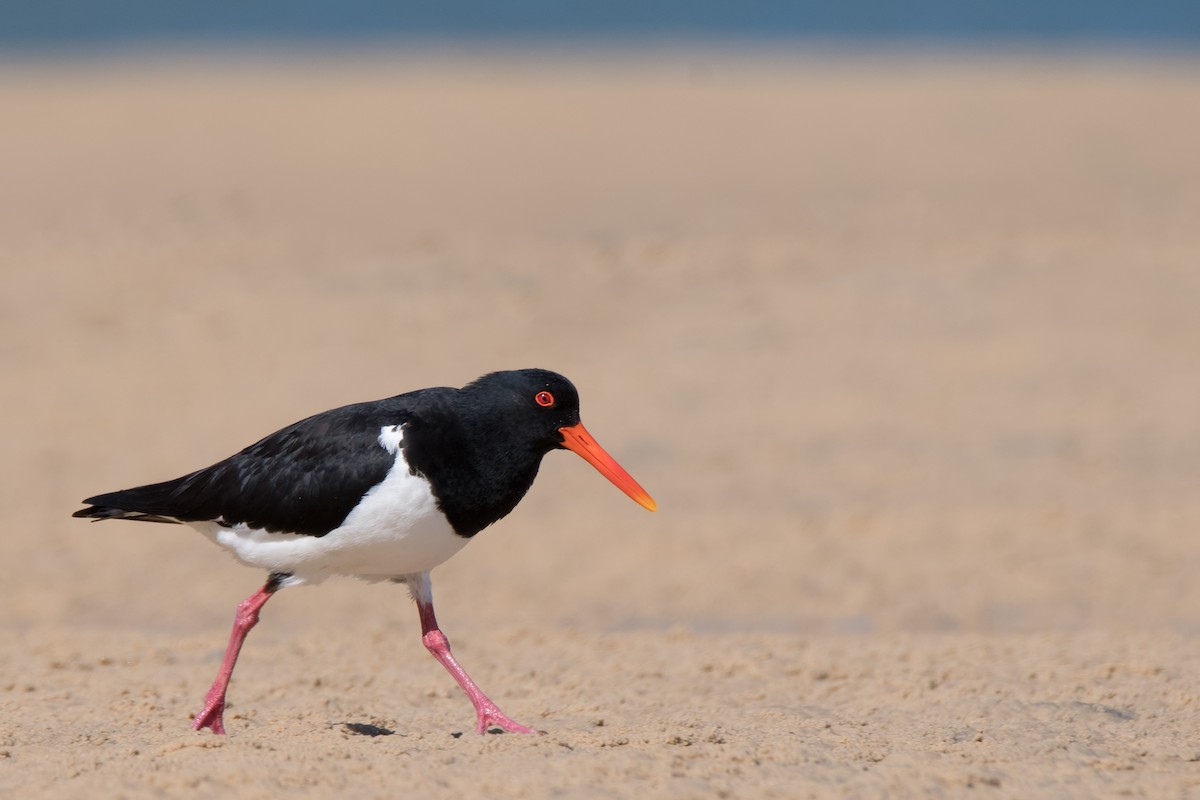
212	715
486	712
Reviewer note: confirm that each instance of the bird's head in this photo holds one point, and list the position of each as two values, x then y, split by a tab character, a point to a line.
542	407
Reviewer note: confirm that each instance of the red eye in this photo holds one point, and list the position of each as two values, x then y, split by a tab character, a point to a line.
544	399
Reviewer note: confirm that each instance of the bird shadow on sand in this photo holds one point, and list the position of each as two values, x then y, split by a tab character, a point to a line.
366	729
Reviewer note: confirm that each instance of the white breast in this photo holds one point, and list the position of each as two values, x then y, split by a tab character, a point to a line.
395	530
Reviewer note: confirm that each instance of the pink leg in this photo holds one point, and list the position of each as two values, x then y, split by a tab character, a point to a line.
486	712
243	621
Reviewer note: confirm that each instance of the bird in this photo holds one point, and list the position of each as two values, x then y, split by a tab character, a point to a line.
382	491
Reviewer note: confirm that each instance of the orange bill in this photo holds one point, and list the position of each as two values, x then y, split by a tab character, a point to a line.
579	441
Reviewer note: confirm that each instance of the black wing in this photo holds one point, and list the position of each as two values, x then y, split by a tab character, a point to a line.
305	478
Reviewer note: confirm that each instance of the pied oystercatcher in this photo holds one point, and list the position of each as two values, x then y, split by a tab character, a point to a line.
384	490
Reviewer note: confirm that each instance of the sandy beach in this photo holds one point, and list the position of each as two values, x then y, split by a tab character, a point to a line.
904	345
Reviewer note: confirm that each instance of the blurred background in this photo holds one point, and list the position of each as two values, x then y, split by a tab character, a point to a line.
144	22
891	306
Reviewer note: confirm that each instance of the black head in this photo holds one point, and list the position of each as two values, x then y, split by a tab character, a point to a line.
533	403
539	409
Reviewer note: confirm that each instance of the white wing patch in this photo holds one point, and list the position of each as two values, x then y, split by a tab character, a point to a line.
390	437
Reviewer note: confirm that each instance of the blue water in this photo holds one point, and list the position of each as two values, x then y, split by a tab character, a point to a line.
117	23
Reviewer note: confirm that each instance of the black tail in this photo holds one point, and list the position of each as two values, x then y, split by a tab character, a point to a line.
145	504
98	513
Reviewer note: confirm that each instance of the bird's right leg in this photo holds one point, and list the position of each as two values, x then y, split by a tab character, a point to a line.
487	713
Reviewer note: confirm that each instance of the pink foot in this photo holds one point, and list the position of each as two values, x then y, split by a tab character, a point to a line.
212	717
489	716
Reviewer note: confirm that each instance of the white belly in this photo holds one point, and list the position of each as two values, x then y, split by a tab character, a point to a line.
395	530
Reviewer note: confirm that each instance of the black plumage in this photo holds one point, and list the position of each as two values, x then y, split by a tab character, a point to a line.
306	478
